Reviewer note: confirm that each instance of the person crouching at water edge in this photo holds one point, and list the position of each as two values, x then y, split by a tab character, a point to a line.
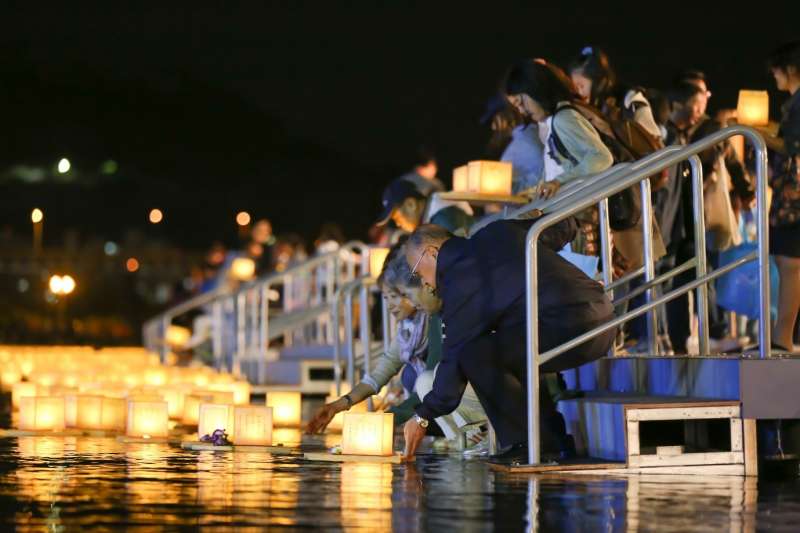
414	353
481	282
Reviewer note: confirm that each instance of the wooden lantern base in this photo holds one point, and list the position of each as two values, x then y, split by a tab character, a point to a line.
342	458
69	432
198	446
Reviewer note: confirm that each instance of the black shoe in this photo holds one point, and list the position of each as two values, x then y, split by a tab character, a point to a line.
515	454
568	450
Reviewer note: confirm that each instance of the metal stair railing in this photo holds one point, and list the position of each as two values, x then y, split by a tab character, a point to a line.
598	192
308	289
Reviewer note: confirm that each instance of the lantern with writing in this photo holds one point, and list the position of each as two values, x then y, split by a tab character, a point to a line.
253	425
377	256
214	416
753	108
89	412
286	407
460	179
368	433
191	407
113	414
21	390
147	419
489	177
41	413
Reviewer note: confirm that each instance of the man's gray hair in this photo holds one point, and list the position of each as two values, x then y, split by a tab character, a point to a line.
428	235
396	272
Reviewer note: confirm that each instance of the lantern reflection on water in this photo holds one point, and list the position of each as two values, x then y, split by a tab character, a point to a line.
253	424
368	433
366	495
41	413
286	408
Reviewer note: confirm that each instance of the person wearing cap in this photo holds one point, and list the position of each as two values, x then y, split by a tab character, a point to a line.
405	204
522	146
482	284
423	175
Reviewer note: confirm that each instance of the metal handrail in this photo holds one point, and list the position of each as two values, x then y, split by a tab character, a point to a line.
596	193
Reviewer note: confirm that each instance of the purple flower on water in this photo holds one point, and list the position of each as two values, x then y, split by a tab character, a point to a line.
218	438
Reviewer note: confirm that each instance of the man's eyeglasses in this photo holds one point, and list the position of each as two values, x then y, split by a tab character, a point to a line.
414	273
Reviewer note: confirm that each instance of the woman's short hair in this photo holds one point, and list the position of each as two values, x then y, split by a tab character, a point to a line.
593	63
545	83
396	273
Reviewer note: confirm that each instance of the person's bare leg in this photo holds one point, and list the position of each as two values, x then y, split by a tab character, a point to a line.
788	300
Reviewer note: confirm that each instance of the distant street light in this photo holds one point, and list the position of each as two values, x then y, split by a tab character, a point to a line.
55	284
156	216
37	216
62	285
243	218
132	264
64	165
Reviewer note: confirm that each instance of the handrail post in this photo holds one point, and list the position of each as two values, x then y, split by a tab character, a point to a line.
532	306
365	328
764	319
166	320
698	206
649	266
263	341
386	323
605	247
337	347
216	332
348	335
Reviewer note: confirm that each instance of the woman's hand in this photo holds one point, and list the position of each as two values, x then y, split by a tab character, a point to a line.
324	416
548	189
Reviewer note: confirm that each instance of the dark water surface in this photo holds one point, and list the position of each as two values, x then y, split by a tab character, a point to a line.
78	483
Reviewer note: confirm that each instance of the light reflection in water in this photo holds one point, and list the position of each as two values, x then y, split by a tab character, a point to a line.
71	483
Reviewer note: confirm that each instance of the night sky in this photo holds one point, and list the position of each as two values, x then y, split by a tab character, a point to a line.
302	111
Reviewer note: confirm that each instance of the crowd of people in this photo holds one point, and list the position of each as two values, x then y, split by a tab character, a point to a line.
556	126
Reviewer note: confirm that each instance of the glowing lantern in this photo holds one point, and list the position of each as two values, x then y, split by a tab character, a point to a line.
191	407
155	377
286	407
41	413
113	414
336	423
241	392
147	419
71	410
253	425
174	395
9	376
22	390
461	179
45	379
243	268
89	412
368	434
753	108
215	416
377	256
489	177
178	335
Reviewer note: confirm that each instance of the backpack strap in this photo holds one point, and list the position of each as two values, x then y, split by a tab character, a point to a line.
555	140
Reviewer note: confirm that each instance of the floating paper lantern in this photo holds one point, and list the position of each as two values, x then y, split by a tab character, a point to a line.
215	416
489	177
368	434
191	407
241	392
22	390
253	424
41	413
377	256
10	375
286	408
113	415
461	179
71	410
147	419
155	377
753	108
89	412
174	396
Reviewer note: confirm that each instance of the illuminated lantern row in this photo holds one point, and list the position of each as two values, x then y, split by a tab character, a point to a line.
753	108
41	413
21	390
484	177
368	434
147	419
286	408
100	412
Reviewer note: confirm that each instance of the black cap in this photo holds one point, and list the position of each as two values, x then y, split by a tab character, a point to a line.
394	195
495	104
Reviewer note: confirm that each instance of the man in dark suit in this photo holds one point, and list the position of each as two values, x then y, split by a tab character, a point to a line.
481	282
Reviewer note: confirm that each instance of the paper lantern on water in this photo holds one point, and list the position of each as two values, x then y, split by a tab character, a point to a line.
89	412
71	410
461	179
253	424
21	390
174	396
286	408
9	376
147	419
41	413
241	392
114	413
489	177
155	377
215	416
191	407
753	108
377	255
368	434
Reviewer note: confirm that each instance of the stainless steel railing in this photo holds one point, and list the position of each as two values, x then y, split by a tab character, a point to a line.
598	192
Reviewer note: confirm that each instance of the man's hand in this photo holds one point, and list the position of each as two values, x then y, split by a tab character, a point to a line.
324	416
548	189
413	434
